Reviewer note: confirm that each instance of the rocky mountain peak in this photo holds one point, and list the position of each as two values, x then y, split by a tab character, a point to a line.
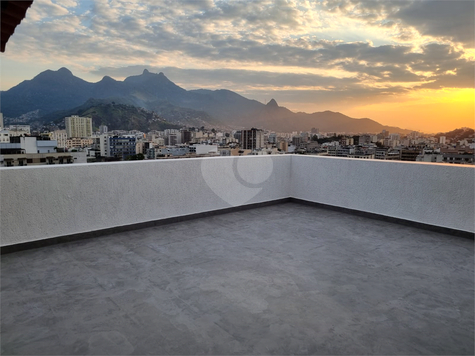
272	103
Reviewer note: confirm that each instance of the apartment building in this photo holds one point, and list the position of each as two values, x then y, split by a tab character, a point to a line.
252	139
77	126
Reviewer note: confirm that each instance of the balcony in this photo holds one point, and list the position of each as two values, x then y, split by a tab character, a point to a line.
249	255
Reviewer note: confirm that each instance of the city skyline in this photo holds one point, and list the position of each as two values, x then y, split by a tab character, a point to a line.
408	64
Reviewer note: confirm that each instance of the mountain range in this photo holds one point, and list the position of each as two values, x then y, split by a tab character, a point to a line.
115	116
55	94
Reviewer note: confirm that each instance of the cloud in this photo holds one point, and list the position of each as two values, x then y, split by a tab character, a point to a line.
453	20
463	76
43	9
67	3
253	32
449	20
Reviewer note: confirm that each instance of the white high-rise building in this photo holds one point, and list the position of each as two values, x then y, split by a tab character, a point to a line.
59	135
77	126
103	129
104	145
442	140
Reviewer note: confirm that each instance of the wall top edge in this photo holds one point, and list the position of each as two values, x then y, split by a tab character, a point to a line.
145	161
293	156
467	166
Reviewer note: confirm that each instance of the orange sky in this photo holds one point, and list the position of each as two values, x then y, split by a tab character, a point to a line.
430	112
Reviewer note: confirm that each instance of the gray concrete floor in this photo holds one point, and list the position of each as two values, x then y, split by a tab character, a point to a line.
282	279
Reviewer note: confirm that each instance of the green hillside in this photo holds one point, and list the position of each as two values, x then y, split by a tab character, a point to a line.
126	117
116	116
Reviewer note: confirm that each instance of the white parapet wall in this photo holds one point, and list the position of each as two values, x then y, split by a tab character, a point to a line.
436	194
50	201
41	202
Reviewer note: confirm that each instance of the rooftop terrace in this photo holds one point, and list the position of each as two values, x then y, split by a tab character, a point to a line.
281	279
249	255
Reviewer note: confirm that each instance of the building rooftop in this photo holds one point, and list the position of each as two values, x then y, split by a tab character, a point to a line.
280	279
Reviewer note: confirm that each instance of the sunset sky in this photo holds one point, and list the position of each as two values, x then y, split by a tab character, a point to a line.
402	63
